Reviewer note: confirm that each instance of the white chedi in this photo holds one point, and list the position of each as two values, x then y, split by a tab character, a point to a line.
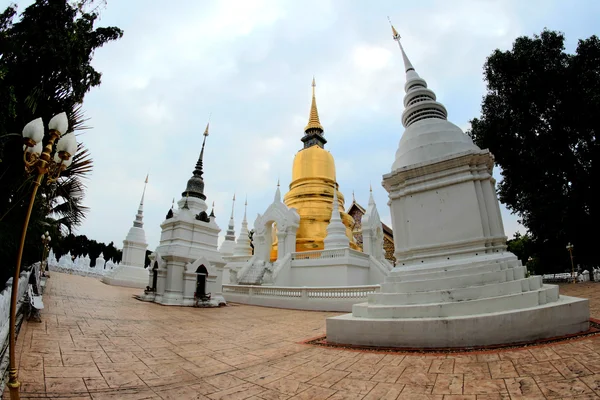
100	261
243	244
454	283
336	230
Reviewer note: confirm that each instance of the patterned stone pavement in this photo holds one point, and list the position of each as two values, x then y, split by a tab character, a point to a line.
97	342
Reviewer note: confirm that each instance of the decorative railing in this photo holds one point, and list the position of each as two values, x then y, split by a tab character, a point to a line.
321	292
325	254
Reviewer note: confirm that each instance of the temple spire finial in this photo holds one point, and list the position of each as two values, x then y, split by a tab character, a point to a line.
144	192
195	185
212	212
407	64
232	207
313	117
278	193
371	199
138	222
419	102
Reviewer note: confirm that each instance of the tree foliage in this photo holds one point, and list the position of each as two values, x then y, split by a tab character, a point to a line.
540	120
80	246
45	68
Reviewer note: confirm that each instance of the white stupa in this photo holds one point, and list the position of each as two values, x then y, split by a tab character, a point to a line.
187	267
454	283
228	244
336	230
131	271
242	247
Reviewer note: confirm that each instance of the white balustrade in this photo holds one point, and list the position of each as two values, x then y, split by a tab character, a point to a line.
324	292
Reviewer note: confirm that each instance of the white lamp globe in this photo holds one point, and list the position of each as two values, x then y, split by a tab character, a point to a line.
37	149
34	130
59	122
67	143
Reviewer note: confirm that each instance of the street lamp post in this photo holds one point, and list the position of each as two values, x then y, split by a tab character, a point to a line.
38	159
570	249
46	242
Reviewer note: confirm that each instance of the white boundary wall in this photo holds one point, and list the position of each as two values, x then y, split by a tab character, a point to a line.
322	298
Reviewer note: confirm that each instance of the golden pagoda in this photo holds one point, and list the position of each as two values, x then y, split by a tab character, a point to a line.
311	190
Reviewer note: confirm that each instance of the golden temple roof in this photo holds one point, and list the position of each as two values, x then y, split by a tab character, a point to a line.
313	118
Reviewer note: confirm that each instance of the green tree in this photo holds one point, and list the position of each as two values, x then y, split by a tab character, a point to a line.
540	120
45	68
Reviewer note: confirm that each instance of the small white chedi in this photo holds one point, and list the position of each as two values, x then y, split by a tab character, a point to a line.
131	271
454	283
186	268
228	244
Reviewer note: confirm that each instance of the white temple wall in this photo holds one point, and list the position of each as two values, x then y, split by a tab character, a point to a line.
341	274
452	221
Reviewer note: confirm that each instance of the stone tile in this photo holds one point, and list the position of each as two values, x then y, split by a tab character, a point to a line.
541	372
92	331
224	381
328	378
388	374
384	391
120	380
483	386
523	388
448	384
288	386
314	393
502	369
72	372
570	368
564	388
94	384
65	385
186	392
442	366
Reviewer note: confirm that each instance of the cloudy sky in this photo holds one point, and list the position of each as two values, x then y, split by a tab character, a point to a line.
250	64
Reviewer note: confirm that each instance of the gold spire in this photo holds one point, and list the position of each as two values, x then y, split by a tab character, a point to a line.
395	33
206	130
313	118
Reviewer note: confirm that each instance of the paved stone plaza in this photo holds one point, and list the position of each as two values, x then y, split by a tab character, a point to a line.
97	342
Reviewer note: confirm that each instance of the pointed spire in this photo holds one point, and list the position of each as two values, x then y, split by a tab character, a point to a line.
336	230
407	64
419	102
278	193
353	198
371	199
173	203
230	235
313	117
242	246
144	192
195	185
212	212
313	132
138	222
232	207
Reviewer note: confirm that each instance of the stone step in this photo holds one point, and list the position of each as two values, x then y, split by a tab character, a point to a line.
427	275
458	294
454	282
567	315
511	261
547	293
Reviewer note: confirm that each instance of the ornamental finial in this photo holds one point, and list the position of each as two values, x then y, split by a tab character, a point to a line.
395	33
313	117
